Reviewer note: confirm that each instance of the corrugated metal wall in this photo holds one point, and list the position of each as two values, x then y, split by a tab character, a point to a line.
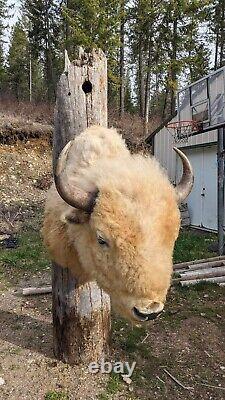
164	143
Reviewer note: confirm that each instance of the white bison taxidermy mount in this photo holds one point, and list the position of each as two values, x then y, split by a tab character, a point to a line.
113	217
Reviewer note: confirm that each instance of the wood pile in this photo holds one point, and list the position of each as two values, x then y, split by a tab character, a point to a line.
207	270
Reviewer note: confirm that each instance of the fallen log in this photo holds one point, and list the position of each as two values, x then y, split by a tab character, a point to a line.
36	290
195	267
207	273
218	279
186	264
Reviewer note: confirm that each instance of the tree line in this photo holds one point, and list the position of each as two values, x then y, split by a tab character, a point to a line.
152	46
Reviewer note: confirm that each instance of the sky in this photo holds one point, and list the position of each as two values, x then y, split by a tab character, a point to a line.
14	14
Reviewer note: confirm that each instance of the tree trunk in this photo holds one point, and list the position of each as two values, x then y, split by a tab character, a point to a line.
81	315
122	75
222	33
141	86
147	88
216	51
174	68
49	73
217	29
165	103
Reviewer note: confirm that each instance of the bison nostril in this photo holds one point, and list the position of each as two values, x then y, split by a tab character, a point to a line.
145	316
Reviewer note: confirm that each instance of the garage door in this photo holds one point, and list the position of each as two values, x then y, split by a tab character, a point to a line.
202	202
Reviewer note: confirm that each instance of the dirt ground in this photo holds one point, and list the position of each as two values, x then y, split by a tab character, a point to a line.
188	341
27	363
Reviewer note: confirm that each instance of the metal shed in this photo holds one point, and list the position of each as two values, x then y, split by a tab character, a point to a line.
202	152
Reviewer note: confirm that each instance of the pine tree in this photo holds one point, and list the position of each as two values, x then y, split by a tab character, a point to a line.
217	25
95	23
38	81
196	49
18	63
171	38
166	44
137	44
3	15
122	57
128	101
44	37
145	28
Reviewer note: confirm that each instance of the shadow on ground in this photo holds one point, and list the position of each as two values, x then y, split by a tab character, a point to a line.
26	332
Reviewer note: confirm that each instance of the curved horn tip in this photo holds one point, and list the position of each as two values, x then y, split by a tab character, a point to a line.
178	151
62	158
72	195
184	188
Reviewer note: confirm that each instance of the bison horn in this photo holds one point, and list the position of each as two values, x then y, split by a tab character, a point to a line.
72	195
186	183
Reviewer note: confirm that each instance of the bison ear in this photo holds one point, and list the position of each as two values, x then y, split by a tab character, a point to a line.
75	216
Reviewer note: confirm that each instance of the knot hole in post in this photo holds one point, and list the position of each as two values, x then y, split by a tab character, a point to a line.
87	87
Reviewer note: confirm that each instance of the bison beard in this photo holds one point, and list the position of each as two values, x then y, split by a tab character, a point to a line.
113	217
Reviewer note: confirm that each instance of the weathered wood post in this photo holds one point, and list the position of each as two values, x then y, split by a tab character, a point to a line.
81	315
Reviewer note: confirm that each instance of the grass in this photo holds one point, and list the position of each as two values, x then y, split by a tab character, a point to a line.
29	256
193	245
187	302
53	395
128	339
113	386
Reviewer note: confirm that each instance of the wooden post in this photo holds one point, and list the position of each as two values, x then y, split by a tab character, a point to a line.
81	316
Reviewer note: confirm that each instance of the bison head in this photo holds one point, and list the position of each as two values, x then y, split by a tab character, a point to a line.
123	221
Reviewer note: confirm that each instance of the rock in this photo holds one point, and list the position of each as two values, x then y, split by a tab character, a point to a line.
126	379
9	243
4	237
2	381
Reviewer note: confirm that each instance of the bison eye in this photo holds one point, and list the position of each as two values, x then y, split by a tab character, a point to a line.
102	241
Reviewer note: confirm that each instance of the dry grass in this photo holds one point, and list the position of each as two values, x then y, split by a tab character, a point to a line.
22	120
13	129
131	126
41	112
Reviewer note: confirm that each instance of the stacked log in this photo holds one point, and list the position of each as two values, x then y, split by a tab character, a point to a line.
207	270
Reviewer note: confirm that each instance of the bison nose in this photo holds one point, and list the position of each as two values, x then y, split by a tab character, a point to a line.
145	316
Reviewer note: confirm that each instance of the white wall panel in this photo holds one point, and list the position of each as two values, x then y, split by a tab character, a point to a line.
164	143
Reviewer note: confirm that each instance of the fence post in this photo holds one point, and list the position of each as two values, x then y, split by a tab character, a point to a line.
81	315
